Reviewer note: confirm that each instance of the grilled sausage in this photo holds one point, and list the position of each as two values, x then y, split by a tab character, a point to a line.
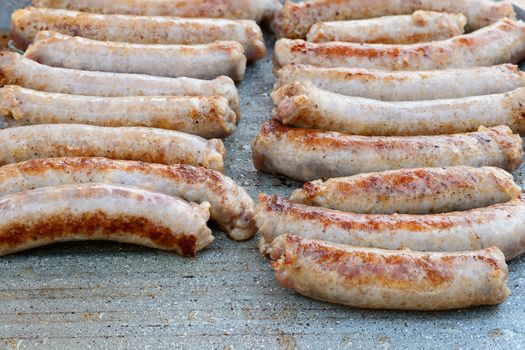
243	9
206	61
102	212
127	143
383	279
205	116
26	23
295	19
421	26
231	207
500	225
502	42
306	154
18	70
412	191
307	106
404	85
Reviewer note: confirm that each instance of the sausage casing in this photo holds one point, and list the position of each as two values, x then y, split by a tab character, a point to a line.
127	143
306	106
307	154
102	212
231	207
383	279
26	23
501	42
18	70
205	61
421	26
244	9
205	116
412	191
295	19
404	85
500	225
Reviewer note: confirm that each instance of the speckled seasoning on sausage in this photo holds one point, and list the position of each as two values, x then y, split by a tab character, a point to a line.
102	212
421	26
26	23
295	19
258	10
307	154
231	207
151	145
412	191
385	279
18	70
404	85
305	105
501	42
500	225
205	116
205	61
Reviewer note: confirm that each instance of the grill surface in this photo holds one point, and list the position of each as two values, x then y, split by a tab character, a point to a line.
105	295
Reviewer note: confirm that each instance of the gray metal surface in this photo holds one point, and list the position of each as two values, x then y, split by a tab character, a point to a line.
103	295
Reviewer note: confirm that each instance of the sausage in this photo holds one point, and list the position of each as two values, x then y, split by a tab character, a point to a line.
405	85
205	116
102	212
307	106
499	225
295	19
26	23
307	154
259	10
384	279
421	26
412	191
231	207
18	70
501	42
206	61
127	143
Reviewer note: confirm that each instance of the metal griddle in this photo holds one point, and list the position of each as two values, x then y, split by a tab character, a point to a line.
105	295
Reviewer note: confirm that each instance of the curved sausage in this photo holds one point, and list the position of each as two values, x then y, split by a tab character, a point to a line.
421	26
205	116
404	85
500	225
501	42
306	106
102	212
18	70
206	61
307	154
258	10
127	143
26	23
383	279
231	207
412	191
295	19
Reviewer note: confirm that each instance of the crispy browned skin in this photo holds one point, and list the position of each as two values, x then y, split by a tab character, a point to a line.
26	23
307	154
383	279
499	225
127	143
257	10
412	191
102	212
231	206
296	18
